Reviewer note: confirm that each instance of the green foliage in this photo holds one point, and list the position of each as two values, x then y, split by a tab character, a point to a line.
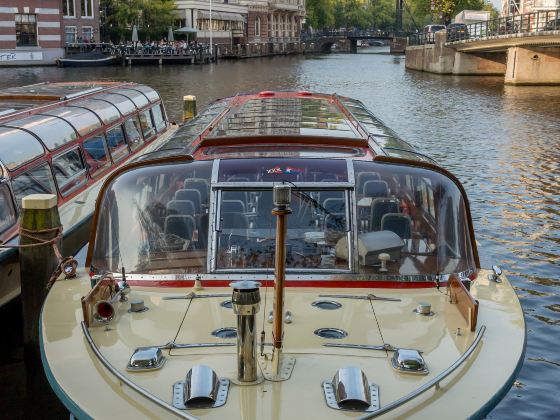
442	11
358	14
152	18
320	13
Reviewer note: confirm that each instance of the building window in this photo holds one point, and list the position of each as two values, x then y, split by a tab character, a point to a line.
87	34
26	30
258	27
87	8
68	8
70	34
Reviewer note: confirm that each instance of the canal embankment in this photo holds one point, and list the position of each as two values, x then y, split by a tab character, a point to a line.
520	60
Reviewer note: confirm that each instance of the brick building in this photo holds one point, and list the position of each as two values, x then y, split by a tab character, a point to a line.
80	21
34	32
271	22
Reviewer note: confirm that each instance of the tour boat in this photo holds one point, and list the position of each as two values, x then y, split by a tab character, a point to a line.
283	256
64	139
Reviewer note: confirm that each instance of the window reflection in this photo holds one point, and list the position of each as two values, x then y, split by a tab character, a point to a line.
147	124
18	147
158	118
95	151
117	143
132	129
38	180
69	171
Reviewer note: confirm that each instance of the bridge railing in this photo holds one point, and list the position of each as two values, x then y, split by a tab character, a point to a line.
421	38
517	24
341	33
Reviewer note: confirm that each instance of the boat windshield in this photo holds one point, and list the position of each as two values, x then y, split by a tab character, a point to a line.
346	217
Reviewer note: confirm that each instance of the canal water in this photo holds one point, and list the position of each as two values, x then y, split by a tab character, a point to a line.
503	142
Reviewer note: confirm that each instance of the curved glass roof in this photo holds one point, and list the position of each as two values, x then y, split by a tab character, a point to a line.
138	98
107	112
150	93
289	116
83	120
53	132
18	147
123	104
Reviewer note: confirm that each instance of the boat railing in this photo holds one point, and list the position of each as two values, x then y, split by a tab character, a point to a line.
124	379
433	383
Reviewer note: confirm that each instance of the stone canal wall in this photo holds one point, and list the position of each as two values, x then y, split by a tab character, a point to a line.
521	65
437	58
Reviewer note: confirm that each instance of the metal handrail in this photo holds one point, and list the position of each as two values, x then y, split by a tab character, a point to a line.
526	23
432	383
131	384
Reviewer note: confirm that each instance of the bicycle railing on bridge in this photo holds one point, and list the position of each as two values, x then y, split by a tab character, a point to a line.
540	21
347	34
517	24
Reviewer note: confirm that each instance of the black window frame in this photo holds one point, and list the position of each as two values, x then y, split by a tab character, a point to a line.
28	37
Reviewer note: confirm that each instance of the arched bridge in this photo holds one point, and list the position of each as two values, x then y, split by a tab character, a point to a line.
325	40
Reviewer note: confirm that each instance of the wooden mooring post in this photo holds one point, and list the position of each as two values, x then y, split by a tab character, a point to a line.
38	260
40	223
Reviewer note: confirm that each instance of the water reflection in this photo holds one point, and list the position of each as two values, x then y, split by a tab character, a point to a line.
503	142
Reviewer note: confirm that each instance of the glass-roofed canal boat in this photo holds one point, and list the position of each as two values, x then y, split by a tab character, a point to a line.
285	256
64	139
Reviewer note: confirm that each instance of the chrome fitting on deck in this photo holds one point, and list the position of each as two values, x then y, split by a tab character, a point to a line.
246	300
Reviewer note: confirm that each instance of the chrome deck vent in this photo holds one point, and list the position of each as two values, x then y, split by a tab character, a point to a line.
350	390
409	361
226	304
330	333
227	332
329	305
201	389
146	358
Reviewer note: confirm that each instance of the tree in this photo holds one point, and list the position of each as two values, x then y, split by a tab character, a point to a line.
320	13
152	17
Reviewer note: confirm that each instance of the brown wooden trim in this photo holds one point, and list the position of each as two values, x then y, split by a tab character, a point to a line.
445	172
283	139
466	303
22	96
111	177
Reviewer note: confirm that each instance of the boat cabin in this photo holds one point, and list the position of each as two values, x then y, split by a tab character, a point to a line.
358	209
60	138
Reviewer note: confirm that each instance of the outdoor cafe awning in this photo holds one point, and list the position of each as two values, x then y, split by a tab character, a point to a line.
185	30
205	14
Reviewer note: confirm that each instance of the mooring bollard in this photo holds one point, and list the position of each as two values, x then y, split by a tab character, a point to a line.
39	226
189	107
